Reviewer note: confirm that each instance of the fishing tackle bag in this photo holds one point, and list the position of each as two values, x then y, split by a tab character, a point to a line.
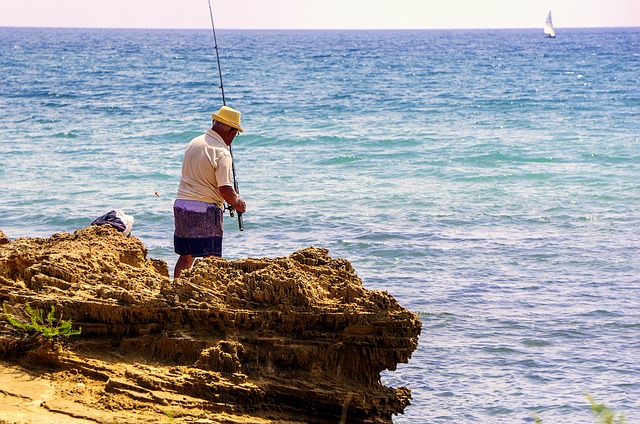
117	219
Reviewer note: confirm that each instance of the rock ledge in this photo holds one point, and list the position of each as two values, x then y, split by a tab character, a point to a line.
294	339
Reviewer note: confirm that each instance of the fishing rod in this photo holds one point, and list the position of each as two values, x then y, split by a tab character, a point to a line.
224	103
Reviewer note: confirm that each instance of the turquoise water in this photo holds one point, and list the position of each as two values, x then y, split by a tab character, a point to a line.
489	180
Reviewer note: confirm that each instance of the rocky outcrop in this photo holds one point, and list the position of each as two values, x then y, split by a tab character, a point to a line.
290	339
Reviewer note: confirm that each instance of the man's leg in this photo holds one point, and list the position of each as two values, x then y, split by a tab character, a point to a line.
184	262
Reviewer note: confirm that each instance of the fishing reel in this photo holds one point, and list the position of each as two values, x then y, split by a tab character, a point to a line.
231	209
232	212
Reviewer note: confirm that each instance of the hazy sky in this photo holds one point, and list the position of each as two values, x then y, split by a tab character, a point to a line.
314	14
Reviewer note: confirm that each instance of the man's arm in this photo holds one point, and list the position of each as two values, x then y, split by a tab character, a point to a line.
232	198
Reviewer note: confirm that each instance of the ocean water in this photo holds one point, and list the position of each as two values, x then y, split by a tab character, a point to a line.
489	180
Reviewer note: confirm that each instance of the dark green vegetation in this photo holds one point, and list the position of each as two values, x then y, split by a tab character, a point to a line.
48	326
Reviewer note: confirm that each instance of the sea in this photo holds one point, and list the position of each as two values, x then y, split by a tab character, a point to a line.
488	179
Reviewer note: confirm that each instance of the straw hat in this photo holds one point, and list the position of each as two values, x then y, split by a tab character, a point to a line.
228	116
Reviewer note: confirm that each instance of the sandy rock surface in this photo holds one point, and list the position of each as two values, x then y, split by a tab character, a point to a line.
289	340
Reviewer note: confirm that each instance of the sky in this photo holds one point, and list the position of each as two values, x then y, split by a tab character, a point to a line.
319	14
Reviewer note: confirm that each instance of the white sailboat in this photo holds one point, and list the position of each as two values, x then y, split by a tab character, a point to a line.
549	31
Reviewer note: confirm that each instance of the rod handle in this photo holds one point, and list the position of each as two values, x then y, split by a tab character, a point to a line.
240	221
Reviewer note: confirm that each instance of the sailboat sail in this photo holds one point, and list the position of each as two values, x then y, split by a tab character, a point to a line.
549	31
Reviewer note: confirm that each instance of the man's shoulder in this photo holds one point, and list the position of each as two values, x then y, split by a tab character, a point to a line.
198	139
209	140
214	140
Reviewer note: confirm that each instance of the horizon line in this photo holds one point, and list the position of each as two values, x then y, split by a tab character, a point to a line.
316	29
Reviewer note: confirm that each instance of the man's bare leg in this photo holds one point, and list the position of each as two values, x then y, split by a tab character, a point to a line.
184	262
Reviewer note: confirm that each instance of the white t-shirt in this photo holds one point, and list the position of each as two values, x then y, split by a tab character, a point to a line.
206	166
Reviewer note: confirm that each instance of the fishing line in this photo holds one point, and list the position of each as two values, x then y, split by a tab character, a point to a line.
224	103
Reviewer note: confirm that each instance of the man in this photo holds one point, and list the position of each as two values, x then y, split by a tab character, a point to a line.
206	183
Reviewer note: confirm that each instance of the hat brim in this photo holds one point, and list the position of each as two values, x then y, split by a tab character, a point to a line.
226	122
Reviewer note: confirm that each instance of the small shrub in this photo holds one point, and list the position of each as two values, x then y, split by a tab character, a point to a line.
49	327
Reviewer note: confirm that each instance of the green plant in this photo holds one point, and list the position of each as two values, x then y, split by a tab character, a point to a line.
49	327
604	414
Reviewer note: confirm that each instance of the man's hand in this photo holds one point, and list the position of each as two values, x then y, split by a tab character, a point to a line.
240	205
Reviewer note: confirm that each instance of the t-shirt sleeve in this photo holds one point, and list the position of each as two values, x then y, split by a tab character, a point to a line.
224	175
